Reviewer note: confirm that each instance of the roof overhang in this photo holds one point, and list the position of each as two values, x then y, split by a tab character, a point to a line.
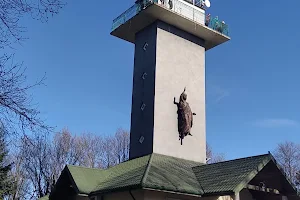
139	187
172	192
155	12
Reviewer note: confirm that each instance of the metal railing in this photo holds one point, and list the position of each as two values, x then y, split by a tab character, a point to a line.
189	11
131	12
179	6
125	16
217	25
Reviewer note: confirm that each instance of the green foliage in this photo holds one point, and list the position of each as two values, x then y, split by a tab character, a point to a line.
5	182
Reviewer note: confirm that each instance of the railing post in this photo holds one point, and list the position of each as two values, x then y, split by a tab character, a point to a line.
194	11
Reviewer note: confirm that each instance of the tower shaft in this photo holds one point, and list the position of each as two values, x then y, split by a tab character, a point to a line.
167	60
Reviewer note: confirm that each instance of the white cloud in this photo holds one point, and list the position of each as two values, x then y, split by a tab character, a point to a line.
274	123
216	93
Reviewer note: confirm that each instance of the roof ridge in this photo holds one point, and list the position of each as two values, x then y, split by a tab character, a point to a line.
179	158
268	154
146	170
93	168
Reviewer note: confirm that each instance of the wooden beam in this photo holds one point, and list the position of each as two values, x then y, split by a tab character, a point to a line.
261	189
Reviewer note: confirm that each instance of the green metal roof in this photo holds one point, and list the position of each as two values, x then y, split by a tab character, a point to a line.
229	176
153	171
177	175
171	174
126	174
86	178
167	173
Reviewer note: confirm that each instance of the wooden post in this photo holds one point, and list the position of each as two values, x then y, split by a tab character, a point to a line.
237	196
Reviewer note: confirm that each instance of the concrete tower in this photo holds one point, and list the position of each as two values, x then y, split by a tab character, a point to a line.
171	39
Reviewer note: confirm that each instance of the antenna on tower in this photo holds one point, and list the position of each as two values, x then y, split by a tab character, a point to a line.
207	3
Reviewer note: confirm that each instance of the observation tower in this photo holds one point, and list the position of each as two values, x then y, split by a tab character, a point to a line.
170	38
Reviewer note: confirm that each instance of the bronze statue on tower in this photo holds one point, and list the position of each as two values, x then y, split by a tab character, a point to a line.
185	116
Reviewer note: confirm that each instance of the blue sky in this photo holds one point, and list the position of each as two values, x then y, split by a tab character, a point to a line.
252	81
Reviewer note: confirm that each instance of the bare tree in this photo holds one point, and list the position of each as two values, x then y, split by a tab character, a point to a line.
109	157
64	150
11	11
17	112
102	152
298	178
16	108
288	155
20	184
122	139
115	148
5	166
40	159
91	148
43	159
213	157
209	152
36	165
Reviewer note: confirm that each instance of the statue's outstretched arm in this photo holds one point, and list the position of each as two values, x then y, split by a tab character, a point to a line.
175	101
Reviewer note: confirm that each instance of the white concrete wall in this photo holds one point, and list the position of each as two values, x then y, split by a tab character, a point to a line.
179	63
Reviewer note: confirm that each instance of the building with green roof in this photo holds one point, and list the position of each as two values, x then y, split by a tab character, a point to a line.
168	125
160	177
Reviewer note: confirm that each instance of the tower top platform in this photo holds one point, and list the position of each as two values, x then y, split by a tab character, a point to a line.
178	13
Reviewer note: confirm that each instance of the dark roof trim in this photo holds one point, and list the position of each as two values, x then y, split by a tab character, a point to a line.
172	192
223	193
136	187
108	191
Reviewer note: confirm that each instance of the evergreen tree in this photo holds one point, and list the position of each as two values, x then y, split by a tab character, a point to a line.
5	183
